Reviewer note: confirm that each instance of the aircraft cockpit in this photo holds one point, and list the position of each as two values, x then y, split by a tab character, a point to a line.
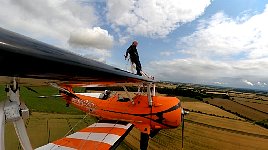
122	99
105	95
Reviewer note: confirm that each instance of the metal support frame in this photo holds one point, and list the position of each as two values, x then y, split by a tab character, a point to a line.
132	67
153	92
125	89
12	111
139	89
2	126
149	94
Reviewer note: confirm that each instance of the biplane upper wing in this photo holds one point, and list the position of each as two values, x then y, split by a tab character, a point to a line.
24	57
101	135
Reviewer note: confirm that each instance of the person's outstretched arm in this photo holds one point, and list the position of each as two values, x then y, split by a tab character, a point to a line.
127	52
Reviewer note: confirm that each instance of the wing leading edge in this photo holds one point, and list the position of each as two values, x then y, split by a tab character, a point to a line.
28	58
98	136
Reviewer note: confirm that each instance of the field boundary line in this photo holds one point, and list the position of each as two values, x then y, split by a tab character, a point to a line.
250	107
214	115
226	129
254	102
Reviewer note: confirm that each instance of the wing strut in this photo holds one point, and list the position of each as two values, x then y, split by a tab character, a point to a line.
14	111
125	89
2	126
150	94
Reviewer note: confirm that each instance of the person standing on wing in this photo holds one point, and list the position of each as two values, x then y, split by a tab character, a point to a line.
134	56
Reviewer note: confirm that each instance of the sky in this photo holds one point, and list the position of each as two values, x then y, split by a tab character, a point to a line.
212	42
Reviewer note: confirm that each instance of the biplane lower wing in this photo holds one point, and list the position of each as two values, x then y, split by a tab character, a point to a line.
98	136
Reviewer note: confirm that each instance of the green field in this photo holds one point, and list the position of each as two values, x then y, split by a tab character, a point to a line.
46	127
50	104
206	127
50	119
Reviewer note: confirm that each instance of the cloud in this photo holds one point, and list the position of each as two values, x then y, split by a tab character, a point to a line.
56	22
262	84
206	71
151	17
98	54
96	37
188	70
53	19
221	50
224	37
219	83
248	82
123	40
167	53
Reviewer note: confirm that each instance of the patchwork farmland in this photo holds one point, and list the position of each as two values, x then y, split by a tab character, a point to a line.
237	108
206	127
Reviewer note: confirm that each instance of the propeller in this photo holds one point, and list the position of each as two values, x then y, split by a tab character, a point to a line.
183	113
32	90
40	95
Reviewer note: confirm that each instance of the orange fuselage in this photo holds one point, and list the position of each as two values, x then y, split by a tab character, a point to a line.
165	112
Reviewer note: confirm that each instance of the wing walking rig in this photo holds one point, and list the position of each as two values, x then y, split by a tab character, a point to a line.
25	61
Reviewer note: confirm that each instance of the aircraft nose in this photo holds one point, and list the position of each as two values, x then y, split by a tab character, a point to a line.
173	118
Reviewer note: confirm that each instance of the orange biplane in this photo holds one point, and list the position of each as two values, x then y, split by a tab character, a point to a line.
25	61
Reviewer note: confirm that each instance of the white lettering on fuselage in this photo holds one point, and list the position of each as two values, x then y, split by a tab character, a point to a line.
84	103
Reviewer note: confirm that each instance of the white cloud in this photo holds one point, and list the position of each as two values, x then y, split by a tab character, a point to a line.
45	19
95	37
222	50
167	53
154	18
123	39
262	84
209	71
221	36
98	54
188	70
53	21
248	82
219	83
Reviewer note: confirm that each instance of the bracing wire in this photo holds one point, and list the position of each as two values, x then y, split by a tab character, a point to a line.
72	129
76	125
